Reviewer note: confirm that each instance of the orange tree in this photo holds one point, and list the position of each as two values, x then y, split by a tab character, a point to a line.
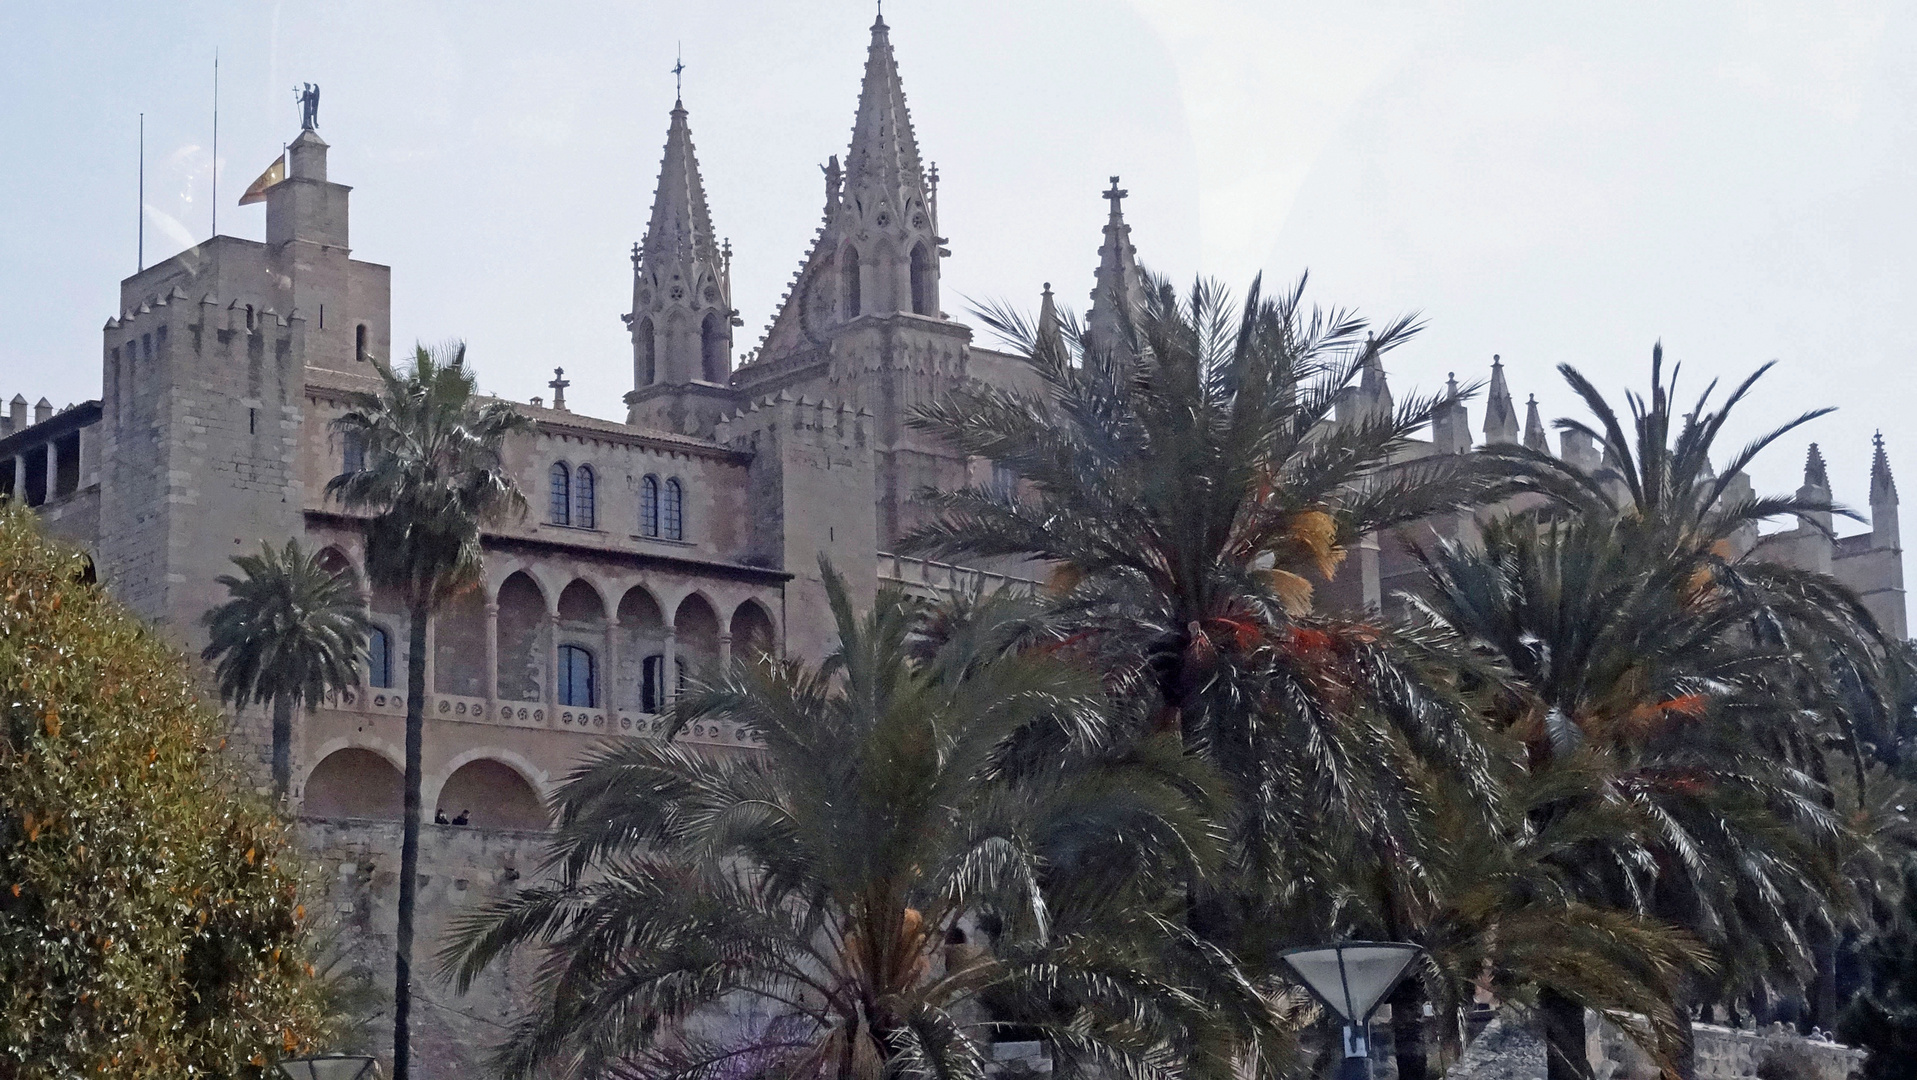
149	919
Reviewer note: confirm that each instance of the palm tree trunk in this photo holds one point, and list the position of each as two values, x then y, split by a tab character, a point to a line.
1563	1022
1407	1030
409	840
1823	988
282	746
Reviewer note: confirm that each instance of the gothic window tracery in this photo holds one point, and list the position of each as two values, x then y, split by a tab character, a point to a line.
849	272
561	502
712	348
649	506
672	517
583	494
646	359
922	278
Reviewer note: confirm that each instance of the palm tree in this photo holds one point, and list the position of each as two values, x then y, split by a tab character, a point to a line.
861	893
1188	486
1660	666
432	479
292	633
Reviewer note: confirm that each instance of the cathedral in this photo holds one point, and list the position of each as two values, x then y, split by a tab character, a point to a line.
688	531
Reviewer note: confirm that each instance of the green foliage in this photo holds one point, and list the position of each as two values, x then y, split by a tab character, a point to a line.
1882	1018
149	919
292	632
817	882
433	474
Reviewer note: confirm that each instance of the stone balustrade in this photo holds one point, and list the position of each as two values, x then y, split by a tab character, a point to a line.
538	714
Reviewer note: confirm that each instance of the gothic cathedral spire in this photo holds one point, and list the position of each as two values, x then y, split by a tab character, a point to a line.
1119	281
878	247
681	289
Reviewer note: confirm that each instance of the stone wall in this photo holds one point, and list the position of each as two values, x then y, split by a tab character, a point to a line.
1508	1050
355	868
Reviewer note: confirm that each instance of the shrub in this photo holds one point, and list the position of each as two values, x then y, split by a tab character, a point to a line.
150	922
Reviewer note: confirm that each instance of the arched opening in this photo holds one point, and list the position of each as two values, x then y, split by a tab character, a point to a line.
577	685
524	636
642	634
559	505
672	511
849	276
649	506
459	645
696	630
645	354
488	794
379	658
715	363
582	631
752	633
924	282
334	561
359	344
584	512
354	783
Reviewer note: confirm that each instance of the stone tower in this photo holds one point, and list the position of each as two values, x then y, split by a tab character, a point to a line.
862	324
1881	579
682	315
205	385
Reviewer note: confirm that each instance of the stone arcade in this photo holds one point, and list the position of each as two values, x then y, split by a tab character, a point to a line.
687	533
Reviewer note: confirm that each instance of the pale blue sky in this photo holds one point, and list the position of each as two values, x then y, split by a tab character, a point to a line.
1549	182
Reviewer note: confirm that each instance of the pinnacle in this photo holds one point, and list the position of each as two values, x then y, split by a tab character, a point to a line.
1883	486
1534	437
884	151
681	224
1500	414
1119	280
1815	475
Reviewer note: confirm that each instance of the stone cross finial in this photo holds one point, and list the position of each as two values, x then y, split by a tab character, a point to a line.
678	76
559	383
1115	193
635	256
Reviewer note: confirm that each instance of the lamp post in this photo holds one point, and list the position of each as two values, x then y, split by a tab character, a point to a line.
1351	979
330	1067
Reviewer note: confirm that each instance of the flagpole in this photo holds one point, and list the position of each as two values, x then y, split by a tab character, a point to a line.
216	142
140	264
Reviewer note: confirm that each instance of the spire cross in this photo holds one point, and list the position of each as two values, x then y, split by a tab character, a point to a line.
1115	193
1877	440
559	383
678	74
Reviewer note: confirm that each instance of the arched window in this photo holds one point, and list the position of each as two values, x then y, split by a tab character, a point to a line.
713	348
672	512
359	343
249	316
575	677
652	682
922	277
561	503
379	659
644	355
649	506
583	512
849	271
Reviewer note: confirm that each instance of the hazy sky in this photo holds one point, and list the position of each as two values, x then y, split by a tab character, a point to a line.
1552	182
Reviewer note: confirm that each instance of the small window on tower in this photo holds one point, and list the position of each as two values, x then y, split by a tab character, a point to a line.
359	343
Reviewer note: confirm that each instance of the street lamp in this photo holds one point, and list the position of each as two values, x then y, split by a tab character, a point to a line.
330	1067
1352	978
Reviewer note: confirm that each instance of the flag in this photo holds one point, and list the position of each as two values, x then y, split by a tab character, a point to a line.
256	191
